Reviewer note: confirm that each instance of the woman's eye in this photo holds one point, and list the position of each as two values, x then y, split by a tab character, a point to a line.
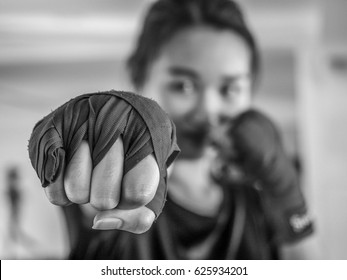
186	87
231	90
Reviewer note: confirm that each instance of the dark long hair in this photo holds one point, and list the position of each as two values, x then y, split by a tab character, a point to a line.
166	17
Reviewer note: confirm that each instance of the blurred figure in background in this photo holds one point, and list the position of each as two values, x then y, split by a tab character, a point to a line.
233	193
16	235
14	201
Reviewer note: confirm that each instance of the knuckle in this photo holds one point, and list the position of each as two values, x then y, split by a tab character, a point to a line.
76	191
78	197
103	202
140	196
57	199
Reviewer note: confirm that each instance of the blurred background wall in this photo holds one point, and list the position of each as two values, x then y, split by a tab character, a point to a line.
51	51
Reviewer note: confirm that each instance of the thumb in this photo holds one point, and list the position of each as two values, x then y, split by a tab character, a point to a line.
137	220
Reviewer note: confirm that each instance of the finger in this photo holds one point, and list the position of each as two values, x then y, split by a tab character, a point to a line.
137	220
55	192
107	178
140	184
78	174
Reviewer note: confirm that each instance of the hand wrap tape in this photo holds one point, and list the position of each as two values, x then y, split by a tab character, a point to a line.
100	118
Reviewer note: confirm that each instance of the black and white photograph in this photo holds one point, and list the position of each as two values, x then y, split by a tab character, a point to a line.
173	130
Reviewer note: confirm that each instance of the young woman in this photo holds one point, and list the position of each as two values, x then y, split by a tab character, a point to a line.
233	194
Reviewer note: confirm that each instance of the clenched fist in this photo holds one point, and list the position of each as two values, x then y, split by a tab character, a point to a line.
109	149
259	150
260	153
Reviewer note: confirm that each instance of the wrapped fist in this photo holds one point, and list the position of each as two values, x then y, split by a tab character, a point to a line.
109	149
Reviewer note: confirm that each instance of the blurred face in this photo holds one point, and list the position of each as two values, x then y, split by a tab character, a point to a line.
201	78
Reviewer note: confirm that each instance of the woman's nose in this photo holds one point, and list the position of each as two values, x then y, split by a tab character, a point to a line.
212	106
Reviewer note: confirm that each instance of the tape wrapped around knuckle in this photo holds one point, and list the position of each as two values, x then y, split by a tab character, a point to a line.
101	118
